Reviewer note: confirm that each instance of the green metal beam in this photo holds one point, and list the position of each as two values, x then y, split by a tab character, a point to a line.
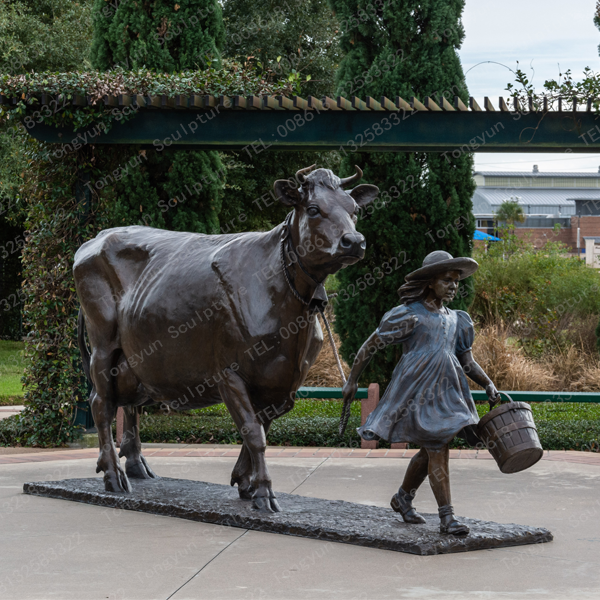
322	392
327	393
254	131
545	396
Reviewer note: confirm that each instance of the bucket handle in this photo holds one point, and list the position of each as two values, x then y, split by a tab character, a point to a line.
492	404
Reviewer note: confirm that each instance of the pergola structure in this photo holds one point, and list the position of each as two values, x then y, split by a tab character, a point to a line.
257	123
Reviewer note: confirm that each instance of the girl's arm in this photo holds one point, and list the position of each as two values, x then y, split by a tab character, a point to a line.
368	349
479	376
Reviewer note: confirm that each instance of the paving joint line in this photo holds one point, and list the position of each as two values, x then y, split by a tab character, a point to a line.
309	475
208	563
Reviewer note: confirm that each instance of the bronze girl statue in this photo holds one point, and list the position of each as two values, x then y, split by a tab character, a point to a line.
428	401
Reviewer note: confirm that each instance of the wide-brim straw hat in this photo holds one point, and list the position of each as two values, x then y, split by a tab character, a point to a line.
439	261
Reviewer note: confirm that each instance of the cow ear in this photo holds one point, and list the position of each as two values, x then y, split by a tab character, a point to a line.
287	192
364	194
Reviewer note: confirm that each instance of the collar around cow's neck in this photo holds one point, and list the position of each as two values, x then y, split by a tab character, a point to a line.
319	298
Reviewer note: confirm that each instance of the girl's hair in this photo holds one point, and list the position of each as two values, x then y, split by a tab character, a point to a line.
414	291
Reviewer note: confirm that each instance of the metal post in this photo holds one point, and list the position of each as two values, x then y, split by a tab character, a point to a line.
366	408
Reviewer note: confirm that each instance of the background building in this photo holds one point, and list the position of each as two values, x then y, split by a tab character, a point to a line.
570	200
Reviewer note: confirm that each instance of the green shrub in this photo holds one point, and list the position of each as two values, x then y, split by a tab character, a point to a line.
516	280
542	294
16	430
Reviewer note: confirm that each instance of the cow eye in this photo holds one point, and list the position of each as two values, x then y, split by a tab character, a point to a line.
313	211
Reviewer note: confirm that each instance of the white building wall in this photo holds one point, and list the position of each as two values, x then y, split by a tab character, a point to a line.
592	252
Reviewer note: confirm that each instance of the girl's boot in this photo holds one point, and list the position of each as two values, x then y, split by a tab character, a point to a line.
448	522
402	503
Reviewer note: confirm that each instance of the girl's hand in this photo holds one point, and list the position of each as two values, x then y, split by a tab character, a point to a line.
493	395
349	390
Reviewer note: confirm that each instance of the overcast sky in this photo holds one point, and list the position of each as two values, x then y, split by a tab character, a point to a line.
539	33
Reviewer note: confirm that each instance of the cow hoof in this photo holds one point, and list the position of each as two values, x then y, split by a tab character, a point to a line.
245	493
262	504
117	481
245	489
139	469
266	504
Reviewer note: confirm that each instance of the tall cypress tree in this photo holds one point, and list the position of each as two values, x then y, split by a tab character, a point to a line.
301	34
295	39
173	189
164	36
402	49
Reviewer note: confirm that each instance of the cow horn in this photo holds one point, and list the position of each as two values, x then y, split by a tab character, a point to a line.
353	178
301	174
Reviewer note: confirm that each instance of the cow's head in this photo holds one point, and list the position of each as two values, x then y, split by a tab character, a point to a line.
324	223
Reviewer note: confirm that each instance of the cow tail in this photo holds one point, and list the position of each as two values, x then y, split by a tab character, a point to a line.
83	349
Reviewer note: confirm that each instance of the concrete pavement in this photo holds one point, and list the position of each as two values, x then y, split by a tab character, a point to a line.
9	411
58	549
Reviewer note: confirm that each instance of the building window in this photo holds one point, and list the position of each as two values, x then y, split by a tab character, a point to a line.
497	181
587	183
565	182
520	182
545	182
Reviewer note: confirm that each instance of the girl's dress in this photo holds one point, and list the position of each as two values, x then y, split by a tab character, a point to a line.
428	400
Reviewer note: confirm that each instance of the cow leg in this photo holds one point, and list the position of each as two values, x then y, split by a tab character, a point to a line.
99	304
136	466
242	472
104	413
104	409
235	396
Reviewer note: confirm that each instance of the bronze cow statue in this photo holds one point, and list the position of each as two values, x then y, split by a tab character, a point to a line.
193	320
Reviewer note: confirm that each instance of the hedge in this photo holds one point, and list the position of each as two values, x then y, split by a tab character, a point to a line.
565	426
211	429
561	427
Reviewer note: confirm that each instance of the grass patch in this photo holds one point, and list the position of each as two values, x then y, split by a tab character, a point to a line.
11	371
562	426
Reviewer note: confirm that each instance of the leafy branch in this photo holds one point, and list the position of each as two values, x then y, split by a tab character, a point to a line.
565	92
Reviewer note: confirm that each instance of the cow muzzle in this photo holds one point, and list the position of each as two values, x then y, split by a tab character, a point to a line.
353	246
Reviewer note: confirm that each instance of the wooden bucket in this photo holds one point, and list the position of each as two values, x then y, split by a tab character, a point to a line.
510	435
